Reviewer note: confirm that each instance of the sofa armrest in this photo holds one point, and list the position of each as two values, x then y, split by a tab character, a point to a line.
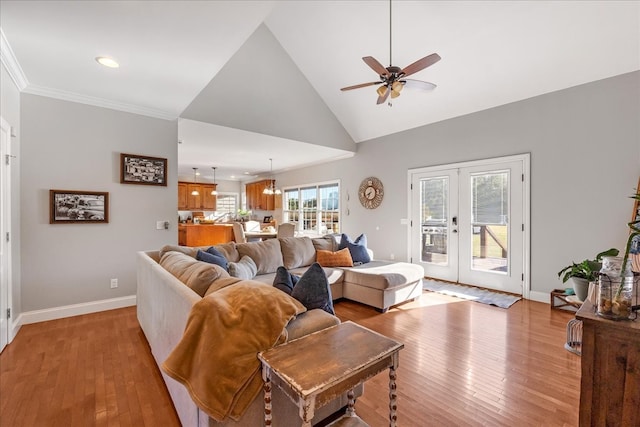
310	321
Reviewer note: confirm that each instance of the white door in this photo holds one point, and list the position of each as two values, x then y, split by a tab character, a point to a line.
434	243
468	223
5	221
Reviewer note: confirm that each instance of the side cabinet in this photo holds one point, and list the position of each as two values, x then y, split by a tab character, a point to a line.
610	385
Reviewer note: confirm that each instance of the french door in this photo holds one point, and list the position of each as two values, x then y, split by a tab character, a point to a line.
468	222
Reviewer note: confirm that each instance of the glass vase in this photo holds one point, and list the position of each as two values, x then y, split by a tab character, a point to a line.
615	290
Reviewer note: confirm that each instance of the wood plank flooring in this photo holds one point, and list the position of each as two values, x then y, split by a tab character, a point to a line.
464	364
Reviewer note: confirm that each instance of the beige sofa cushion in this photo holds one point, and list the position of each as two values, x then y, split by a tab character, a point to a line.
383	274
229	250
195	274
266	254
325	243
297	252
184	249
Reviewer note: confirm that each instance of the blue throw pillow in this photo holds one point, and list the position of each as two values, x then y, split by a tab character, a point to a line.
357	248
284	280
213	258
313	290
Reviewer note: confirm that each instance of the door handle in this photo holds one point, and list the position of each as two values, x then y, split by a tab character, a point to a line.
454	220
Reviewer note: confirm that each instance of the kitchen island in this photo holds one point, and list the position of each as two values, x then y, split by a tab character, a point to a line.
204	234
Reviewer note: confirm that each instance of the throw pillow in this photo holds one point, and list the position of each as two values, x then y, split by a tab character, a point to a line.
212	258
266	254
243	269
357	248
341	258
284	280
297	252
313	290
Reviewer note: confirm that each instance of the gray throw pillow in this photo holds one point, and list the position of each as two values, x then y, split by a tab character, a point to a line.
243	269
284	280
357	248
213	258
313	290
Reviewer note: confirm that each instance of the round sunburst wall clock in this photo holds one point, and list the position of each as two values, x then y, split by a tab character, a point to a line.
371	192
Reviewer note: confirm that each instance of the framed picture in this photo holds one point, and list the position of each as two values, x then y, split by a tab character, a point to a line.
67	206
135	169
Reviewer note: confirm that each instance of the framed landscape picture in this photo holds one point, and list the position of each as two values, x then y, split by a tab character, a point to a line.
136	169
69	206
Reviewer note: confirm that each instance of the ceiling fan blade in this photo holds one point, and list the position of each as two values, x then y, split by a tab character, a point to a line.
384	97
360	85
420	64
419	85
375	65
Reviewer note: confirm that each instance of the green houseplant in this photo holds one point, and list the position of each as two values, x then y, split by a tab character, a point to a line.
584	272
634	227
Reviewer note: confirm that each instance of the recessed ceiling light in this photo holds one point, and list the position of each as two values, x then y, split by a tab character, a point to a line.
107	62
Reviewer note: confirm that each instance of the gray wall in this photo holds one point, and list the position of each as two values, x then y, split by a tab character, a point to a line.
10	111
585	162
72	146
273	98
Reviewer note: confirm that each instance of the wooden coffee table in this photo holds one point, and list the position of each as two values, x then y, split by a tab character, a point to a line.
319	367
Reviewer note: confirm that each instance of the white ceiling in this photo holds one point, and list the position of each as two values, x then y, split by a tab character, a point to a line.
493	53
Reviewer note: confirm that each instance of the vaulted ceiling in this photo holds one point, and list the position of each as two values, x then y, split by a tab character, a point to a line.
267	74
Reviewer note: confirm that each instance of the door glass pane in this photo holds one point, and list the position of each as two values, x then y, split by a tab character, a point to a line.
489	219
434	195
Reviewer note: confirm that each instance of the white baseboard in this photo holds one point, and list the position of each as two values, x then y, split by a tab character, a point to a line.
74	310
540	296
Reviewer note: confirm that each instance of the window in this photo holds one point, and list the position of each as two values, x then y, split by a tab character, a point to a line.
315	209
227	203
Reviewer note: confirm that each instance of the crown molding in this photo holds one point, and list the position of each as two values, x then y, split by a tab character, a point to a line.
98	102
8	59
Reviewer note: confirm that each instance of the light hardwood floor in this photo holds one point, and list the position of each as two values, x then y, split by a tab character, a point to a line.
464	364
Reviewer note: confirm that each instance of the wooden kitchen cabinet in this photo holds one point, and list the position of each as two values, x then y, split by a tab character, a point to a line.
256	199
182	196
610	384
204	234
203	201
209	201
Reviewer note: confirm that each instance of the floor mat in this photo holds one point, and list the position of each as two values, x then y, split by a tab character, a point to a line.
484	296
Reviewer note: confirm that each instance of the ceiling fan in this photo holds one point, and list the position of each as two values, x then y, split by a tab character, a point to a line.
393	79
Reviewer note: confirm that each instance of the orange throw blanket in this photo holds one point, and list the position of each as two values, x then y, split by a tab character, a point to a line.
217	357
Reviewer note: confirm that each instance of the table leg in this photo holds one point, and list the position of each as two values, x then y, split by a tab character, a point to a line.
266	376
307	411
393	407
351	403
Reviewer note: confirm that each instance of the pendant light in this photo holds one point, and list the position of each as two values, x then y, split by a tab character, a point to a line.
271	188
214	192
195	180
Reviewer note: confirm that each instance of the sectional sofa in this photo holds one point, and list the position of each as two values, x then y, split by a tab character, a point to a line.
168	290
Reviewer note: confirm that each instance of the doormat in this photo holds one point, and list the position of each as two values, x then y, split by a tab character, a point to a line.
484	296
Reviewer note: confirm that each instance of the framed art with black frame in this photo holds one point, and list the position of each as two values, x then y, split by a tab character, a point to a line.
70	206
145	170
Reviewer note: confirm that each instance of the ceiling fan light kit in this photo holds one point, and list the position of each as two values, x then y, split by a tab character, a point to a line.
392	78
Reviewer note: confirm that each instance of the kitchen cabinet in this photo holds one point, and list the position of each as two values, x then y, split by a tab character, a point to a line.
204	234
203	201
182	196
209	201
609	392
256	199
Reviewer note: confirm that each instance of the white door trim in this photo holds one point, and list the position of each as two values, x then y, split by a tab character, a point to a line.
525	158
5	227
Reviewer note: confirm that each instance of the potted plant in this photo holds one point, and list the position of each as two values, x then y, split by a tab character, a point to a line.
583	273
633	244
